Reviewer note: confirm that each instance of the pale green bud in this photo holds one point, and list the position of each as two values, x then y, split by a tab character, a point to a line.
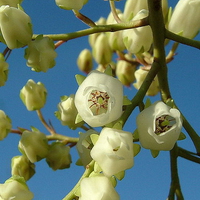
11	3
125	72
84	61
40	54
58	156
34	145
140	76
15	188
5	125
33	95
70	5
15	26
21	166
67	112
3	70
102	52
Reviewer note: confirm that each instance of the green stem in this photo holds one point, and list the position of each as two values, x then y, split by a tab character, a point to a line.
97	29
114	11
175	188
182	40
89	168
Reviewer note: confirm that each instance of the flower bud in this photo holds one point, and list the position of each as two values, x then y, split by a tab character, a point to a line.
33	95
84	61
67	112
101	51
21	166
84	146
113	151
40	54
3	70
15	26
140	39
98	188
11	3
15	188
125	72
185	18
5	125
34	145
159	127
58	156
99	99
69	5
140	76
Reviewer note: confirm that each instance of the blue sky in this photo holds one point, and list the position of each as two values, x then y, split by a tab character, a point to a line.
149	178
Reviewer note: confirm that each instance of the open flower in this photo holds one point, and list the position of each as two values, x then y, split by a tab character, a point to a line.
185	18
113	151
98	188
159	126
99	99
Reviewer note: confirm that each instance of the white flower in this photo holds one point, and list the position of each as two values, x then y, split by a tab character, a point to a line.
138	40
15	188
159	126
185	18
97	188
113	151
15	26
69	4
99	99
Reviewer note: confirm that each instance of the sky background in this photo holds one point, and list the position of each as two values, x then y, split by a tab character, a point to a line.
150	177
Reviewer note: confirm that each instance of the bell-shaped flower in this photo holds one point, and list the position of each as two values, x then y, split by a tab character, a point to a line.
11	3
40	54
140	76
15	188
138	40
5	125
101	50
84	146
99	99
3	70
84	61
58	156
33	95
21	166
15	27
159	126
69	4
34	145
113	151
97	188
67	112
185	18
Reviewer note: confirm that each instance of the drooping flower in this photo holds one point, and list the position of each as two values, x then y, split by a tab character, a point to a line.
185	18
69	5
113	151
3	70
159	126
5	125
99	99
98	188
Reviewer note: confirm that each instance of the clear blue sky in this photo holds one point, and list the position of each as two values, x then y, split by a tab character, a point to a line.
149	178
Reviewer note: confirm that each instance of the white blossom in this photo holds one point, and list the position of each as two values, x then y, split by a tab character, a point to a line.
113	151
99	99
159	126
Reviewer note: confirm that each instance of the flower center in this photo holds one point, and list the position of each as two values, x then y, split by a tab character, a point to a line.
163	124
98	102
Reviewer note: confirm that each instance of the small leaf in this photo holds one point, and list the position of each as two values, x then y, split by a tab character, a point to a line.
79	162
113	181
170	103
155	153
126	101
108	70
79	78
135	134
78	119
182	136
118	126
136	149
94	138
120	175
63	98
34	129
148	103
